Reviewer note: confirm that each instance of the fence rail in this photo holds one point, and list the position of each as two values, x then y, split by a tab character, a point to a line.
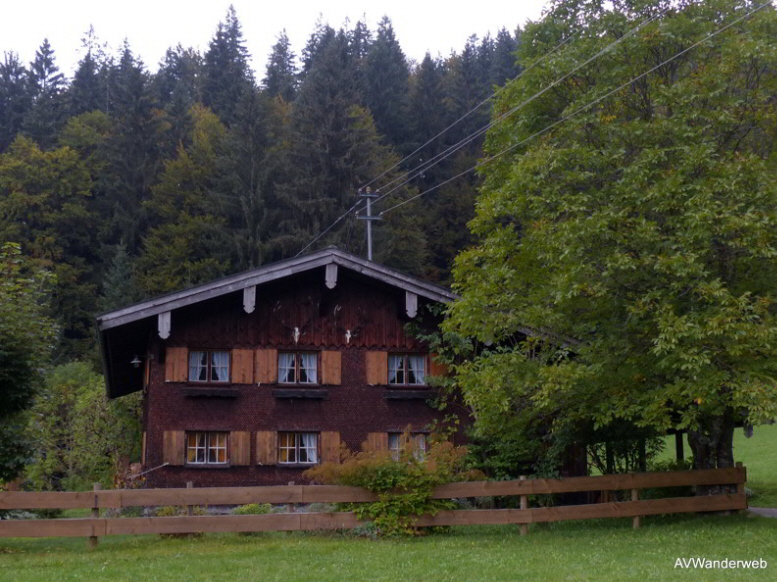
116	499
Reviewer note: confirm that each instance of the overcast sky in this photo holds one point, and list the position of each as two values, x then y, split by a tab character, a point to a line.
151	26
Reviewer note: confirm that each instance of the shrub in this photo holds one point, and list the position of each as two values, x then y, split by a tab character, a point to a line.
252	509
404	485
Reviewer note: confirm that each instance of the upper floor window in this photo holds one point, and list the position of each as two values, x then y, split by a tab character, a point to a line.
208	366
405	369
204	448
298	448
298	368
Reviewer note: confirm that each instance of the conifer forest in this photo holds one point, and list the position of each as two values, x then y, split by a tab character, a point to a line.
127	182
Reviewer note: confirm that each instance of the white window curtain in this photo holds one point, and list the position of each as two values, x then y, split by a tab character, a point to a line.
415	369
219	367
198	366
396	369
308	364
308	447
286	368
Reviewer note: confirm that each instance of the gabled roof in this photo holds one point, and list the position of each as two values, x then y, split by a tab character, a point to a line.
124	332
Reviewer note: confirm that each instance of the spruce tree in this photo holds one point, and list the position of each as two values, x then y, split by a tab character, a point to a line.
133	149
281	77
225	73
46	85
15	98
385	87
87	91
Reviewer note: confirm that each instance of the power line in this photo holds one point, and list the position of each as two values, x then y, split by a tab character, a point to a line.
479	132
579	110
454	148
471	111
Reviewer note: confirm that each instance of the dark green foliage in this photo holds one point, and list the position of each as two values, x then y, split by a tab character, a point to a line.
26	337
80	437
634	243
281	77
46	84
88	90
385	86
225	72
15	98
133	146
44	205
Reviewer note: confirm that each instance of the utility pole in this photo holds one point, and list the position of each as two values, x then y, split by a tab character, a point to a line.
369	195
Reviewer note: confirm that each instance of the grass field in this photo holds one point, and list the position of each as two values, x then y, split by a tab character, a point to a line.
594	550
759	455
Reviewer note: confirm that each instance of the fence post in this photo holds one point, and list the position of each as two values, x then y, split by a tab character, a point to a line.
635	521
189	508
741	485
524	505
95	515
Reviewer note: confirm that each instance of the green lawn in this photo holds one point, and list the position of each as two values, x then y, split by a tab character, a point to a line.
759	455
601	550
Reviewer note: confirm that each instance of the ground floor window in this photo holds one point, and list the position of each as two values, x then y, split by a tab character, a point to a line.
203	448
298	448
419	443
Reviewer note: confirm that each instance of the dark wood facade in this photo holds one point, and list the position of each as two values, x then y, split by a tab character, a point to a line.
351	329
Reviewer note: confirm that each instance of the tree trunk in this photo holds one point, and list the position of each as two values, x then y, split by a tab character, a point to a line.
713	447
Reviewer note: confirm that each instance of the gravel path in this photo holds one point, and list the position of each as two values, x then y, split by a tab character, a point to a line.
764	511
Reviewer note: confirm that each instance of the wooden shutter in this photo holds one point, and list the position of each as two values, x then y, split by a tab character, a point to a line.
377	441
266	366
174	447
242	366
330	447
330	368
266	447
377	368
240	448
177	365
435	368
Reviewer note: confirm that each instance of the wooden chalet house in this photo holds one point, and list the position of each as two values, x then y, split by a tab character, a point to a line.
253	378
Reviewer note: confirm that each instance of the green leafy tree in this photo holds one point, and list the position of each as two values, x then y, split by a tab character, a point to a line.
44	205
26	337
79	436
625	265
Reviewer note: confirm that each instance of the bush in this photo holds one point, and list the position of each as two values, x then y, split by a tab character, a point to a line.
252	509
404	484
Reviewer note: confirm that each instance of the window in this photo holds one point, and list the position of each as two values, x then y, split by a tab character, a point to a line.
206	448
406	370
419	444
297	368
208	366
298	448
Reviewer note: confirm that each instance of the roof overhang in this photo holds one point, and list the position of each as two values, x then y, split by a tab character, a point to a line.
126	332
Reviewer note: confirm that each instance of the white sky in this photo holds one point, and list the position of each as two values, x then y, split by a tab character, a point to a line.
151	26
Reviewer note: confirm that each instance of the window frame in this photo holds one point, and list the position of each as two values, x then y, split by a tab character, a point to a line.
207	447
297	445
209	367
298	366
405	369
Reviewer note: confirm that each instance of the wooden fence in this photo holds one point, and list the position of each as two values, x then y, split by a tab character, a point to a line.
98	500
